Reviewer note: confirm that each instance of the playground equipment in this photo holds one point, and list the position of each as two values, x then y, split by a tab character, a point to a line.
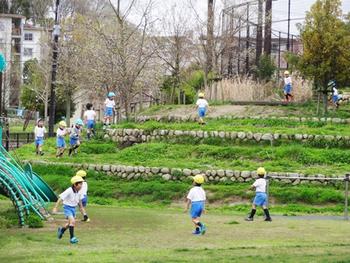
27	191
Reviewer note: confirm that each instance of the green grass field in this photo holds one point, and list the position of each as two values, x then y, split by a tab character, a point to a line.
291	157
117	234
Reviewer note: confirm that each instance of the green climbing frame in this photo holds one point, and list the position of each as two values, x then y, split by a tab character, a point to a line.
27	191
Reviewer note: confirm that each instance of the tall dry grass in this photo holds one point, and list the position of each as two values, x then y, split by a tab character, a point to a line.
247	89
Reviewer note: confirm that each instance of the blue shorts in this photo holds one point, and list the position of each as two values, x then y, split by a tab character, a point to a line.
73	141
260	199
202	112
69	211
39	141
84	200
197	209
60	142
335	98
287	89
109	112
90	124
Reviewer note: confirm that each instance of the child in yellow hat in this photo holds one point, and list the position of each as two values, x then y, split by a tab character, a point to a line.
60	141
202	107
196	200
70	198
83	191
260	196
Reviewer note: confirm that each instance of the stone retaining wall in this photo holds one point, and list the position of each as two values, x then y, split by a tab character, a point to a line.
176	174
179	118
139	136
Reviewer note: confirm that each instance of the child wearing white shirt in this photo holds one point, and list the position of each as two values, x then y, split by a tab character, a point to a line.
89	118
39	133
109	109
70	198
196	200
202	107
287	87
260	196
60	141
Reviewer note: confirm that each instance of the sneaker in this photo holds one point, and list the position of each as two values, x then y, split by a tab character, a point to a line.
249	219
74	240
85	220
268	219
59	233
41	153
203	229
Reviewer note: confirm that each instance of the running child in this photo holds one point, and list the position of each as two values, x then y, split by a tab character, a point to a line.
260	196
89	119
60	141
74	137
109	109
202	107
196	200
335	94
70	198
83	192
39	133
287	89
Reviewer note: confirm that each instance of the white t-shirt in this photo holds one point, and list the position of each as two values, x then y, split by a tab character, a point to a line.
260	185
202	103
196	194
84	189
335	92
90	115
61	133
110	103
70	197
287	81
39	131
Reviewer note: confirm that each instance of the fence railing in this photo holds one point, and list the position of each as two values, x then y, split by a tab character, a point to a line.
16	140
345	179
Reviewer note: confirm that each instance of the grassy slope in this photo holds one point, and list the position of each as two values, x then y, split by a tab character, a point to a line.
246	125
284	158
164	235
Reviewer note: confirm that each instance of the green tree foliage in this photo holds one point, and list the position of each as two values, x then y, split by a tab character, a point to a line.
266	68
326	42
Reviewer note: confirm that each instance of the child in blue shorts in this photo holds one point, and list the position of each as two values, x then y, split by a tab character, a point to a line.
260	196
70	198
202	107
39	133
83	191
196	200
60	141
74	137
89	118
287	89
109	109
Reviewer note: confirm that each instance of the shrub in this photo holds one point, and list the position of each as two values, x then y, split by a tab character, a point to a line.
34	221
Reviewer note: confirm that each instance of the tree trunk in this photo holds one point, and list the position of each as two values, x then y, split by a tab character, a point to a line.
68	111
325	103
318	103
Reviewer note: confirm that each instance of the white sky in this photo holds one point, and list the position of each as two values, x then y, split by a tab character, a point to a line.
280	7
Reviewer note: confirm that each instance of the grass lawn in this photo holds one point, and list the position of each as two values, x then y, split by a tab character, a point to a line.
291	157
120	234
248	125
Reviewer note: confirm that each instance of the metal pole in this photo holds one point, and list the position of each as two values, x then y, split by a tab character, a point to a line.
52	109
247	42
346	209
292	44
288	41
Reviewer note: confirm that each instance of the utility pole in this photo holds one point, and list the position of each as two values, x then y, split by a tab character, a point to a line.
259	33
239	47
52	111
288	37
247	41
210	36
268	25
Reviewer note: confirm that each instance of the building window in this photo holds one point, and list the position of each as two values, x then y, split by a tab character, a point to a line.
28	52
28	36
